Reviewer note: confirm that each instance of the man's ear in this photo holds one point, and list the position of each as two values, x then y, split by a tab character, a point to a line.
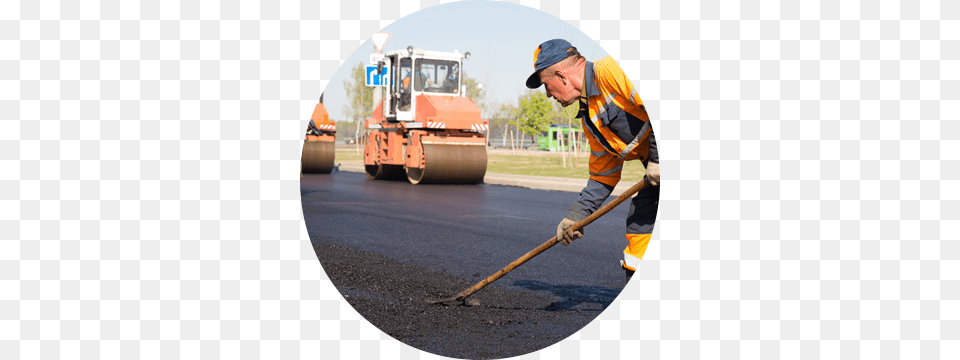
560	74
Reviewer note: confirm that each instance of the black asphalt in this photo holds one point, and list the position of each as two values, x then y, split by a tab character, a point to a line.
454	236
464	229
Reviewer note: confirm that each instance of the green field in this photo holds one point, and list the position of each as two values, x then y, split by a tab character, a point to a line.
535	163
552	165
349	155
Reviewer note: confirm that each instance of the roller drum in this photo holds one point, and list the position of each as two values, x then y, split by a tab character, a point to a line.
384	172
317	157
450	164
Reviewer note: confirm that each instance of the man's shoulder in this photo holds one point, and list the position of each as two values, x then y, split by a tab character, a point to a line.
605	60
607	66
605	76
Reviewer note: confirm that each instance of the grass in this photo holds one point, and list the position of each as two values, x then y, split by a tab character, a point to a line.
349	155
534	163
551	164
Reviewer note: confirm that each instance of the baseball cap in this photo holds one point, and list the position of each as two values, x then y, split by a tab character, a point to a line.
547	54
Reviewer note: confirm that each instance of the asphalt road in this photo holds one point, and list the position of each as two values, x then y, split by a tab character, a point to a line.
387	245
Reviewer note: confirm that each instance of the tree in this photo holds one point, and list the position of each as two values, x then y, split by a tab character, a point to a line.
473	90
501	117
344	127
359	105
566	115
534	114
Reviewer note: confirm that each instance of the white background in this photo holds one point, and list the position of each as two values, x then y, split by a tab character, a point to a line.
149	202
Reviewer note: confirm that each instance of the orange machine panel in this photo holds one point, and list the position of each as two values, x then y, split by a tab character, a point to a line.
455	112
321	119
320	114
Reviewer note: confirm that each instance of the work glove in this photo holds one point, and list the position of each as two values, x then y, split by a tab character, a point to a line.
653	173
565	234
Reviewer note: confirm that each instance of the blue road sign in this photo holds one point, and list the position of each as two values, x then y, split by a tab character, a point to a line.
374	79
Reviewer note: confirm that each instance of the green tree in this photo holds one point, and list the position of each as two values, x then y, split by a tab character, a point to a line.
344	128
534	114
359	95
502	118
474	90
359	104
567	115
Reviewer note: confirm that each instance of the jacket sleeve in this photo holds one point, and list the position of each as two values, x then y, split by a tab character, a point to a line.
654	151
605	170
591	197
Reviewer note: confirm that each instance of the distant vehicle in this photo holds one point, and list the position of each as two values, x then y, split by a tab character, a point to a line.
426	127
318	155
549	140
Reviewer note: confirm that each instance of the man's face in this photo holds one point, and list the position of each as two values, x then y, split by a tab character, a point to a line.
565	94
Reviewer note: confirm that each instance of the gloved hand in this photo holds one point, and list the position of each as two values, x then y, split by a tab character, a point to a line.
653	173
565	234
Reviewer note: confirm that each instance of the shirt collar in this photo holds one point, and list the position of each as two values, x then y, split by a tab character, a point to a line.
589	89
589	81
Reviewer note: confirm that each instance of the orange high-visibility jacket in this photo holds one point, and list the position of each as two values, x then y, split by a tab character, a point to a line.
616	122
618	129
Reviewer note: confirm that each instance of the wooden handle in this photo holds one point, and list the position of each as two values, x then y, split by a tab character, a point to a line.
553	241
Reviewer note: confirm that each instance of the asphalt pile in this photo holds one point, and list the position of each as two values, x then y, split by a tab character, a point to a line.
509	321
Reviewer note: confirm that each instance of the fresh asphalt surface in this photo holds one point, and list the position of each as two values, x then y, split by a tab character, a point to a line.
464	229
388	245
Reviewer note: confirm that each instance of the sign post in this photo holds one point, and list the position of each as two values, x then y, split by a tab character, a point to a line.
377	80
379	39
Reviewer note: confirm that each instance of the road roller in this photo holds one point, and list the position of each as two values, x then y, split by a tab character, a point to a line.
425	128
318	150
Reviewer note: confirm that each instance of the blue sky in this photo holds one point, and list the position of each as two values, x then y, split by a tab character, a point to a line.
500	37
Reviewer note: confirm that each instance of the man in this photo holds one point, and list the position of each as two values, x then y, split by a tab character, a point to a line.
419	77
618	129
422	80
451	82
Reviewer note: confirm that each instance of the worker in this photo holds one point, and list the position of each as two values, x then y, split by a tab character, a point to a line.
618	129
405	92
422	80
452	81
406	67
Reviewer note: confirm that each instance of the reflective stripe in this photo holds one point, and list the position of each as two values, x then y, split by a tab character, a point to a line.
598	153
630	262
603	108
597	135
633	144
633	95
608	172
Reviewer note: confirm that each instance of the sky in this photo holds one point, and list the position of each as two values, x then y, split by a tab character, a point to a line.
500	37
